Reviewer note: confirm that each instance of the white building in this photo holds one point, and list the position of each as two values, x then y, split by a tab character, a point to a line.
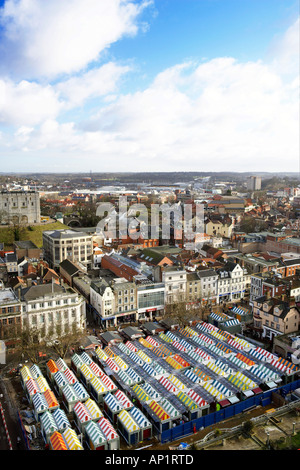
232	283
53	310
174	280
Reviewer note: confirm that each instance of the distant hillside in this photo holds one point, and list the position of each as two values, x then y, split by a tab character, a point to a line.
33	233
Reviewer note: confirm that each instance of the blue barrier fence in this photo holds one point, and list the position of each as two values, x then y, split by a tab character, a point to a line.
263	399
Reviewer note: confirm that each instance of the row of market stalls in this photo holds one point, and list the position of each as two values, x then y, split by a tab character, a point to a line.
177	376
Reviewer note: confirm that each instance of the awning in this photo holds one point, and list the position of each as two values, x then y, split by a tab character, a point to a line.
72	440
158	410
57	441
127	421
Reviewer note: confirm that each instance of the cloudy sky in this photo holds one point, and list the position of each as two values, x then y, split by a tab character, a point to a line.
149	85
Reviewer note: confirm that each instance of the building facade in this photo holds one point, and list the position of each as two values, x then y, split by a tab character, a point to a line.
20	207
59	245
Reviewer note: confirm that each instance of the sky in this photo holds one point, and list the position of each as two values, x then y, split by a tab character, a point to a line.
149	85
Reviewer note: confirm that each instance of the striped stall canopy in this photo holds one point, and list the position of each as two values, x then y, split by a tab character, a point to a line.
80	391
216	369
101	354
232	322
152	341
246	380
168	385
191	331
57	441
217	335
206	339
225	367
35	371
170	335
112	365
70	376
179	346
158	368
185	332
70	394
178	384
93	409
144	356
181	361
32	387
173	363
235	344
246	345
151	391
197	398
86	372
214	349
218	316
51	399
140	393
159	352
127	421
25	374
137	359
77	361
159	411
52	367
123	348
187	345
107	429
82	412
61	364
207	327
187	401
166	338
238	362
123	399
166	351
39	402
145	343
222	388
112	402
95	434
202	375
264	373
134	375
245	359
95	368
237	382
262	354
61	419
109	384
131	346
190	374
122	364
169	408
86	358
60	379
204	355
139	418
288	364
72	440
109	352
125	377
98	385
48	423
224	348
42	384
213	391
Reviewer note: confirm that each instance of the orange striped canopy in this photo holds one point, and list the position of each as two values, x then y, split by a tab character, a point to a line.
57	441
245	359
109	352
181	361
50	399
52	366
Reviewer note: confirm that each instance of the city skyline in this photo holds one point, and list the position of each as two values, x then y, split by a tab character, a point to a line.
149	85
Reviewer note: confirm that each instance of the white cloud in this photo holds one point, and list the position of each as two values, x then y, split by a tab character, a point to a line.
97	82
49	38
27	103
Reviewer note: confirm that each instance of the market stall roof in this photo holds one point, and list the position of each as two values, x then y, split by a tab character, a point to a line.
72	440
127	421
48	423
52	367
197	398
82	412
70	394
35	371
159	411
107	429
95	434
61	364
51	399
39	402
25	374
140	393
112	402
131	346
42	384
93	409
57	441
61	419
32	387
122	398
98	385
70	376
80	390
139	418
